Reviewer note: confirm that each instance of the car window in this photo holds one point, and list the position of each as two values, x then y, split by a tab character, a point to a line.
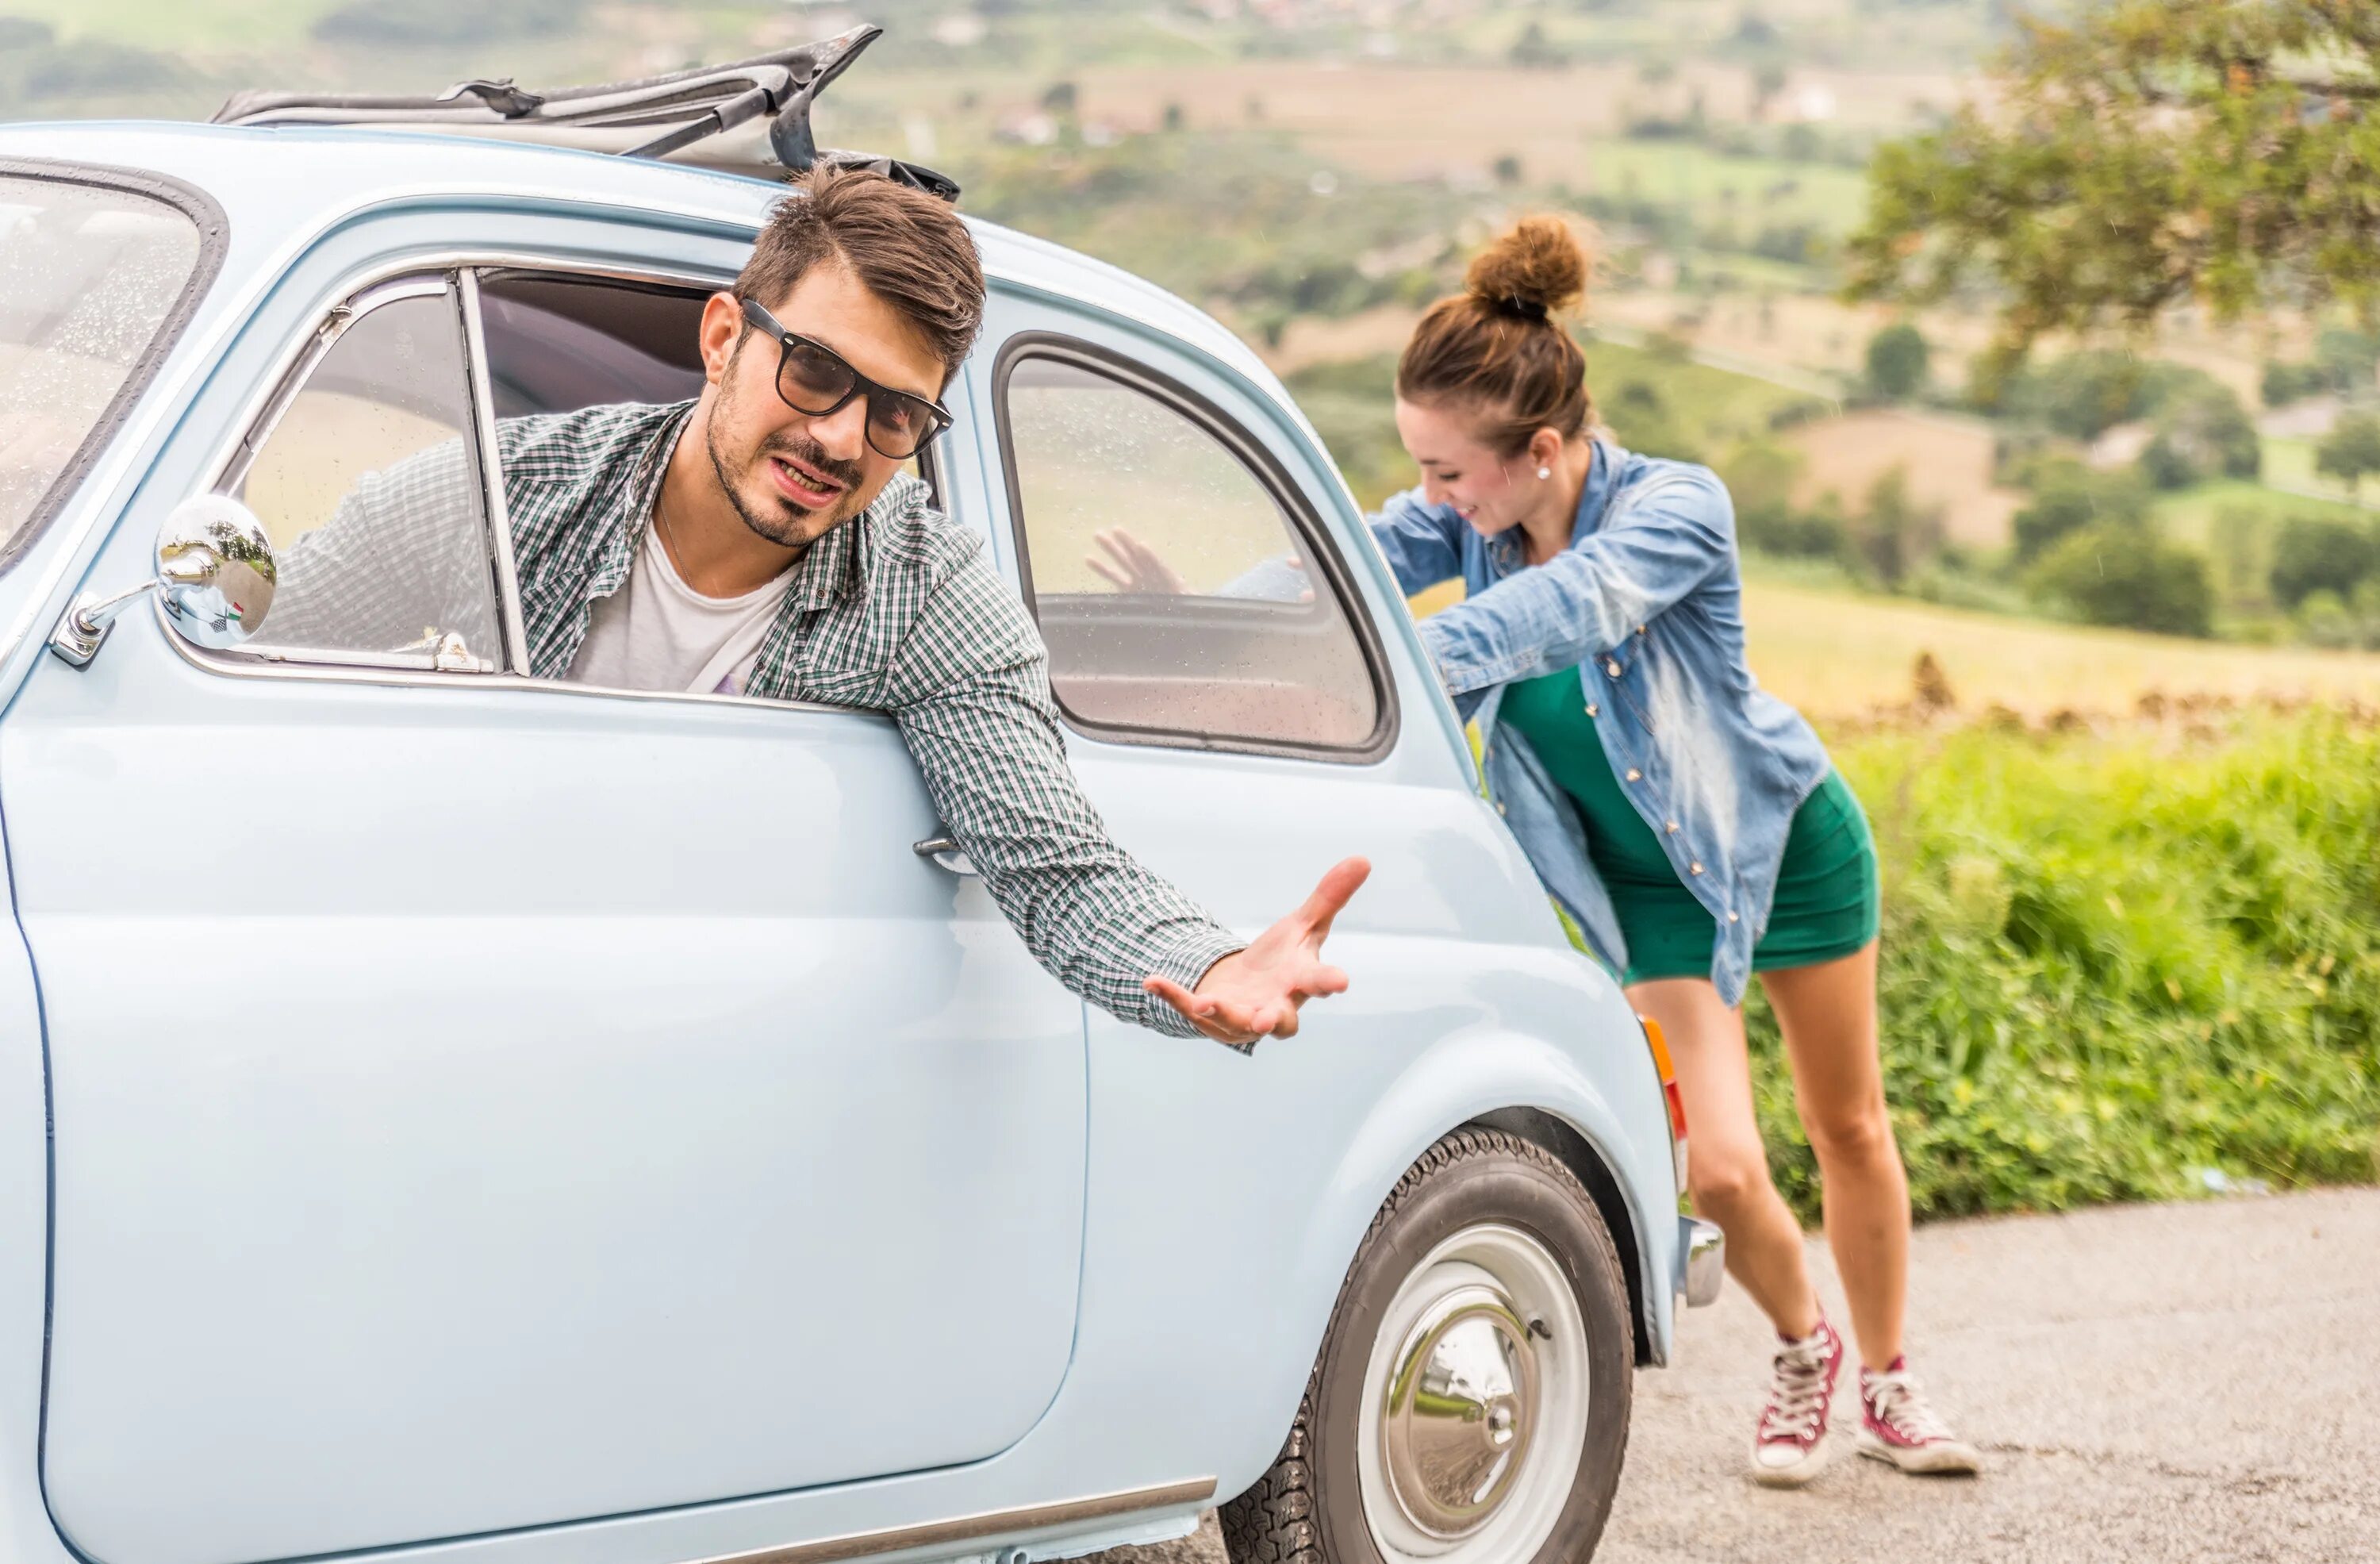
368	482
88	277
1179	597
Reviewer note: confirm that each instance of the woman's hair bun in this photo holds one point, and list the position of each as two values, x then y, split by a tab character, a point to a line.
1536	268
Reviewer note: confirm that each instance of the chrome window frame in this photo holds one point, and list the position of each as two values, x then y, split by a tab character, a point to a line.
233	469
1303	520
287	376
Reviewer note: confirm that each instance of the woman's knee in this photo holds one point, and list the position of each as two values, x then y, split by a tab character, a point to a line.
1726	1182
1853	1136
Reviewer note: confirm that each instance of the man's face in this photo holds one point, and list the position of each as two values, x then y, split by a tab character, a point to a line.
792	477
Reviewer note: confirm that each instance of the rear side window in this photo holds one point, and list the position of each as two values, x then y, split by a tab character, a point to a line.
93	276
1184	596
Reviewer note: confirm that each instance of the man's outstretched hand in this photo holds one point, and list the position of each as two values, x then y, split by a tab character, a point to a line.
1255	993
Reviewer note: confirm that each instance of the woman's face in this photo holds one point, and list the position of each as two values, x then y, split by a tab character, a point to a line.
1484	488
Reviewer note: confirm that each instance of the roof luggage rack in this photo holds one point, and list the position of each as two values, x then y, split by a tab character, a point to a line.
749	118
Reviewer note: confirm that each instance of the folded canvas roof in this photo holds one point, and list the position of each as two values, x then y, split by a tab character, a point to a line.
752	117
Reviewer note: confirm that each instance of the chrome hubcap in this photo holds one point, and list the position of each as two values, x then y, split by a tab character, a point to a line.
1461	1407
1475	1395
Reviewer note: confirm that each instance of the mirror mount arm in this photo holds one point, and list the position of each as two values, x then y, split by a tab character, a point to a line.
83	628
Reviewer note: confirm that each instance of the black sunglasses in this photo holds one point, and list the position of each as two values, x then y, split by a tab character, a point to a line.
815	379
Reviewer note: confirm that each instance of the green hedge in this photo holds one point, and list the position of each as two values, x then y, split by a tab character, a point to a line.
2112	960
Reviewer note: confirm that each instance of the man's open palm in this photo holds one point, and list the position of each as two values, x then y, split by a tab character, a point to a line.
1255	993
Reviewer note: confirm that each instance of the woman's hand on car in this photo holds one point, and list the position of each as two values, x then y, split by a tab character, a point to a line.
1256	992
1132	565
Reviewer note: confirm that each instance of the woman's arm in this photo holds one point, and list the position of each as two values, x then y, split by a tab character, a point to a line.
1421	541
1675	532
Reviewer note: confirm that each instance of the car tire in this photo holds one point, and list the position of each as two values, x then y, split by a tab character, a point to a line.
1471	1402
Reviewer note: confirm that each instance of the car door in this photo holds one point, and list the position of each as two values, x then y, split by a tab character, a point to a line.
482	1101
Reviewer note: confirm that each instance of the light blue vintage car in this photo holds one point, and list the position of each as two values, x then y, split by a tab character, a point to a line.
422	1136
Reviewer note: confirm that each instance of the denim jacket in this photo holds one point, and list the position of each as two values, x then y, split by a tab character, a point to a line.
1646	604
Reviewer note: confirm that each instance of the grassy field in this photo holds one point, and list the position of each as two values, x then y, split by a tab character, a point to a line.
1749	191
1838	656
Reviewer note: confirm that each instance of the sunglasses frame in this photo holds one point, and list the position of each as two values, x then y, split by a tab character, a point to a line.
756	315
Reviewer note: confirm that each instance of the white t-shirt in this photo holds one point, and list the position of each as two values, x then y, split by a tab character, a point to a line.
656	633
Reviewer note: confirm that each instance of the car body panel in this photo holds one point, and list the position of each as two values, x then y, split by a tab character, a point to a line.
1222	1196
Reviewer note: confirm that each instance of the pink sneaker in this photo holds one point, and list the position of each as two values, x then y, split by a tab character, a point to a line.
1898	1427
1791	1445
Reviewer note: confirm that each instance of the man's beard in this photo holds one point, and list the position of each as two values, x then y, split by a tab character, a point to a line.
778	517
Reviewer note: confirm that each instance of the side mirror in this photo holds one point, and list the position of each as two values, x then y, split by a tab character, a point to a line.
215	579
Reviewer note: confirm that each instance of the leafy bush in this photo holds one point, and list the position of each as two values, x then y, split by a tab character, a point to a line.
2108	961
2310	553
2202	433
2287	383
2068	496
1897	360
2117	573
2352	450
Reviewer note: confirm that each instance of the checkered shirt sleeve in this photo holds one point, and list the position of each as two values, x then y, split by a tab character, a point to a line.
970	690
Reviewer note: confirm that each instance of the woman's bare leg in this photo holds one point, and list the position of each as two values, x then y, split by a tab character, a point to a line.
1726	1169
1827	1013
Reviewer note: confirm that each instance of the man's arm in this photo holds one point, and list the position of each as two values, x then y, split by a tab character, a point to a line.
971	692
405	550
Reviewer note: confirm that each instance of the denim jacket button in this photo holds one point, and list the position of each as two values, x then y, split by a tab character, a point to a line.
1612	668
1634	774
1500	808
1693	868
1730	917
1673	827
1590	708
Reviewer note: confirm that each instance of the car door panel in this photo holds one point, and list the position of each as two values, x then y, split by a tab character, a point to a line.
481	1104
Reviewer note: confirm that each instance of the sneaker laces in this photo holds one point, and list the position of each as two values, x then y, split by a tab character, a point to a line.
1894	1400
1797	1388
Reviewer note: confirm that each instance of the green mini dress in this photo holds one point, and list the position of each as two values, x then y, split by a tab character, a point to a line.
1827	900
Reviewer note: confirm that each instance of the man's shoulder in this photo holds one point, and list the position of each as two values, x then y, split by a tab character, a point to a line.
568	446
909	535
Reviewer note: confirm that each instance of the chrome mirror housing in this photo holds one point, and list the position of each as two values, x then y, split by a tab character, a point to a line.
214	579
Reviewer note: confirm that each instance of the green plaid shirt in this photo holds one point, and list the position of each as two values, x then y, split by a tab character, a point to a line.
897	611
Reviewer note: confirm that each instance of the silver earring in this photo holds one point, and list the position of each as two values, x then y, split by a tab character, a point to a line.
1544	472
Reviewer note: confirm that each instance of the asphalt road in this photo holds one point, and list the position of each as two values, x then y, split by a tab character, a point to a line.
2183	1383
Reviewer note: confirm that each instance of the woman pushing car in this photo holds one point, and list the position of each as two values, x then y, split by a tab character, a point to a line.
1689	822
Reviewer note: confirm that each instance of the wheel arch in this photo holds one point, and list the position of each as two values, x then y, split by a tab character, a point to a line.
1589	1165
1554	1094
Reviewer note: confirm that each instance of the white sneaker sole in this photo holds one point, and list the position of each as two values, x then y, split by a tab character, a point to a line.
1942	1457
1791	1477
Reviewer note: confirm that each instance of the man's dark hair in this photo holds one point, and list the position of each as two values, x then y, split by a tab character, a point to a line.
905	247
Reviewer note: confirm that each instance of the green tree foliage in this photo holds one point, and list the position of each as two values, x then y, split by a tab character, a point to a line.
2350	451
2140	154
2349	360
1897	358
2285	382
2201	433
2068	498
2081	395
2120	574
2317	554
1894	534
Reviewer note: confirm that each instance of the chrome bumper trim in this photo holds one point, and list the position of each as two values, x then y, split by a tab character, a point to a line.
1705	1248
897	1539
